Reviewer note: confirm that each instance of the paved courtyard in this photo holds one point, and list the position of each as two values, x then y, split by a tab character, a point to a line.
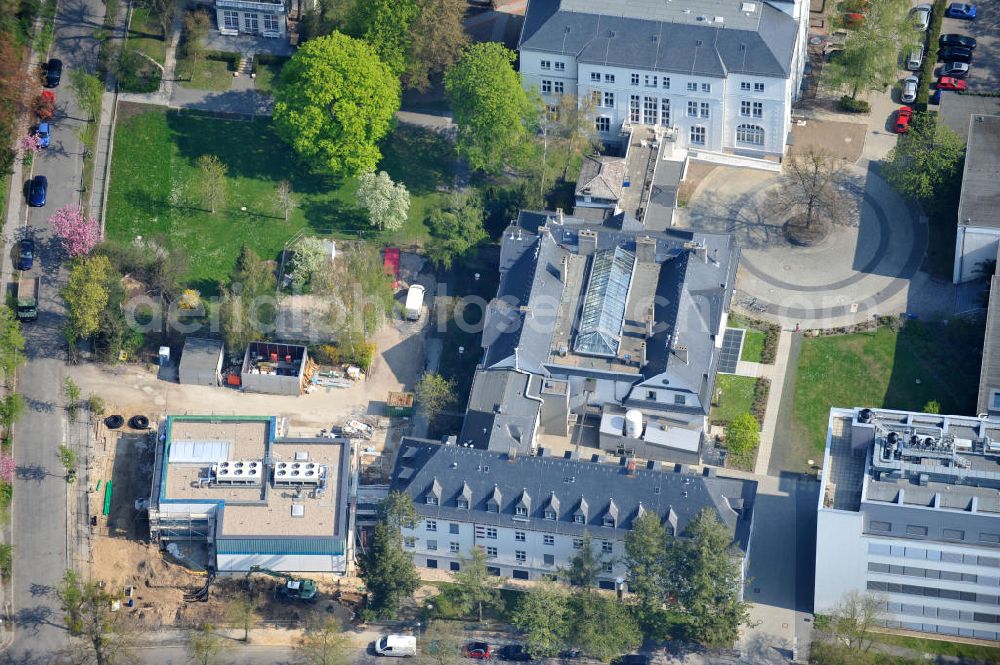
855	272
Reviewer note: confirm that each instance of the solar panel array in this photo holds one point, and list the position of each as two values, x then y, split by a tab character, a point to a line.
732	343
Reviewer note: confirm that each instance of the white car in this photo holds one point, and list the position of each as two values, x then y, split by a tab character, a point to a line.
910	84
921	15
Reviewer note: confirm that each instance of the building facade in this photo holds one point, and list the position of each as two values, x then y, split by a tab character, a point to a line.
252	17
909	510
711	76
529	515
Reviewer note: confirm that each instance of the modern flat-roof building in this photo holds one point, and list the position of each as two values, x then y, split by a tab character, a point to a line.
708	75
201	362
266	18
252	496
529	514
616	324
271	367
979	205
909	508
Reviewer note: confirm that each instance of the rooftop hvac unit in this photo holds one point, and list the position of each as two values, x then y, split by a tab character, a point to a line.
299	473
237	472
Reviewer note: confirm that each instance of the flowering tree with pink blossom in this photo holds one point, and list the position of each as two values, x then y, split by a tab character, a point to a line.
29	144
7	468
79	234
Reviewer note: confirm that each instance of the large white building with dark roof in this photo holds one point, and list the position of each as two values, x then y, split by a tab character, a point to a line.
711	75
529	514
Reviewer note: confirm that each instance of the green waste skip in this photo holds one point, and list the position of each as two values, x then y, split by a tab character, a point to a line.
107	498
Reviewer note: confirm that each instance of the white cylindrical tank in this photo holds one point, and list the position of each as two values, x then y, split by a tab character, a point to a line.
633	423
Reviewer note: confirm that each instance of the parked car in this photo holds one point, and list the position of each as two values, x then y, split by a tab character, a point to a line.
915	60
25	253
514	652
480	650
921	15
961	10
910	84
951	83
53	73
952	39
955	54
399	646
44	134
37	191
631	659
958	70
903	116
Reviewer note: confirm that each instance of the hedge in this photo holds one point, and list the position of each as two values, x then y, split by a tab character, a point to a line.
930	58
231	58
852	105
268	59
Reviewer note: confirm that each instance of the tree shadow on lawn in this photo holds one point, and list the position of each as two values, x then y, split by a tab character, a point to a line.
422	159
330	216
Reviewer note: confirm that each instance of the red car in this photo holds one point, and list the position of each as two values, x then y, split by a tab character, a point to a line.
951	83
903	119
480	650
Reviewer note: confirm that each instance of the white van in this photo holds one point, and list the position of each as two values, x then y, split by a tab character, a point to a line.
916	59
400	646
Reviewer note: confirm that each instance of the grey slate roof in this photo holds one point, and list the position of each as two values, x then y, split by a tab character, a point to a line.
500	415
626	33
601	177
989	373
979	204
596	488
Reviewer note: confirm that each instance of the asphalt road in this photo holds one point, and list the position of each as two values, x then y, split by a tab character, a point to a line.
40	489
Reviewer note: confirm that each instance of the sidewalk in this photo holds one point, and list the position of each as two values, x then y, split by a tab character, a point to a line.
777	376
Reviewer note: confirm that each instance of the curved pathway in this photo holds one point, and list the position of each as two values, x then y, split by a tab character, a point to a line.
854	273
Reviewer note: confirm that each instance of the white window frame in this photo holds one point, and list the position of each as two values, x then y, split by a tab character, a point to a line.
545	64
609	100
745	86
749	134
665	85
706	87
595	77
558	87
603	124
559	66
635	79
758	109
609	78
650	80
665	111
634	108
698	135
692	86
230	19
692	109
705	110
546	87
745	108
650	110
271	23
758	87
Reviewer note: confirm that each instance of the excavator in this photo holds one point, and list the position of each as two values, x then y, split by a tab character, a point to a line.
295	588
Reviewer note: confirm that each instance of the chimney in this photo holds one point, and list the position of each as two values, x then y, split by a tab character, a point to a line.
702	252
559	214
645	250
649	321
642	355
564	271
587	240
681	351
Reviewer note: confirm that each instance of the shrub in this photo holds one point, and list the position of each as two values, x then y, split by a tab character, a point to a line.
325	354
742	434
268	59
6	494
758	407
854	105
136	74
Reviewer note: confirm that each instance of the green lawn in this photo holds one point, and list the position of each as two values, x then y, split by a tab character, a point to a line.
204	74
736	397
154	188
267	76
144	36
899	370
940	647
753	346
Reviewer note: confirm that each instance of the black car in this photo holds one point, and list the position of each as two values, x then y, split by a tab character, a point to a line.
38	189
955	54
25	254
953	39
631	659
515	652
53	73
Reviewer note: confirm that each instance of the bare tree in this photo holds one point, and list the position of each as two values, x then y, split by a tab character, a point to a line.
242	609
283	199
106	636
213	180
322	644
205	646
447	638
812	189
853	619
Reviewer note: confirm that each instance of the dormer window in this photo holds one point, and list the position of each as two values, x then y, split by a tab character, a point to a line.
432	500
523	505
579	519
493	503
433	496
610	518
521	511
492	507
550	515
609	521
462	503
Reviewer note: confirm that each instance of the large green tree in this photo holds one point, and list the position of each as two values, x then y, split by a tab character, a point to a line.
456	227
476	588
437	39
644	550
334	102
927	160
602	626
385	25
869	60
544	617
11	343
87	294
386	567
585	565
105	637
494	114
702	571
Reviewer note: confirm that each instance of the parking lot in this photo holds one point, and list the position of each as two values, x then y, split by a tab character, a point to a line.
984	76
